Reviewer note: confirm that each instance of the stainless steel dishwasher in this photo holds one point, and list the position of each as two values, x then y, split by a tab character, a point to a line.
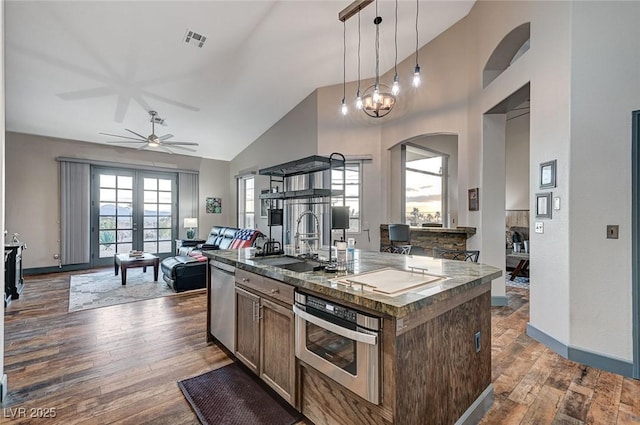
223	303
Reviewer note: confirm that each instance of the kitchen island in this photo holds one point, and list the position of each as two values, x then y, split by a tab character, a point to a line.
431	359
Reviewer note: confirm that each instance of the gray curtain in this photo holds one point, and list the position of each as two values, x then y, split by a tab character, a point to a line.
75	195
188	193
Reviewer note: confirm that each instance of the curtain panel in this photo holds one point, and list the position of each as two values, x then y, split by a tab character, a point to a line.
75	196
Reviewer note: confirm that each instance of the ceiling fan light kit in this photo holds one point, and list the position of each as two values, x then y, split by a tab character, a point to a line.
153	141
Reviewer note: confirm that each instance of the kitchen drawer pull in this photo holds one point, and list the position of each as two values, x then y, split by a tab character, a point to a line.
347	333
245	279
275	291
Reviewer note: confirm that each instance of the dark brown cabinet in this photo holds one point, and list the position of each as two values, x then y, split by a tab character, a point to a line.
13	280
265	331
247	329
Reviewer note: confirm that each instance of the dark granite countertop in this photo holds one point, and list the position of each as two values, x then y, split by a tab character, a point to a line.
457	277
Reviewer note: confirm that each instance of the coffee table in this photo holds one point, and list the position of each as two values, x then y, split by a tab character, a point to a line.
122	262
522	266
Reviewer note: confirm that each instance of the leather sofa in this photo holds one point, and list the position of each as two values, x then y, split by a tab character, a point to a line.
188	269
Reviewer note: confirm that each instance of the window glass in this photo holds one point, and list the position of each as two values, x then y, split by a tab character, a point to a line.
246	203
424	187
352	186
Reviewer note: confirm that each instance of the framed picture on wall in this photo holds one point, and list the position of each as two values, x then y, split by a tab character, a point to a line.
213	205
474	199
548	174
543	205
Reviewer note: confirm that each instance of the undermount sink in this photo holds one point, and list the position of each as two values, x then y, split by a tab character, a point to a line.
291	263
278	261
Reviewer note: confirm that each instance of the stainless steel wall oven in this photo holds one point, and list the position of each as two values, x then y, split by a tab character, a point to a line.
340	342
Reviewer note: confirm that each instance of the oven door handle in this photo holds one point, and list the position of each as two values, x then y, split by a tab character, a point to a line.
347	333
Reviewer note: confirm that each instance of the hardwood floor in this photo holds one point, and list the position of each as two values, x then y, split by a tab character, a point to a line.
120	364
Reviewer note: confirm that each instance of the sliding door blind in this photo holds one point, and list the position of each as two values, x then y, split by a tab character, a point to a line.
188	193
74	213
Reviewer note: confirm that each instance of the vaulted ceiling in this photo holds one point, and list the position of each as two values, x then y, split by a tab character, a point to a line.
74	69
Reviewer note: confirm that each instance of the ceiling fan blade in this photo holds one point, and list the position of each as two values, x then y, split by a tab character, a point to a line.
164	149
180	147
122	137
181	143
143	146
166	136
137	134
125	142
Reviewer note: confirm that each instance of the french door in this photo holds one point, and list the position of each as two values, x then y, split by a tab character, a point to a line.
132	210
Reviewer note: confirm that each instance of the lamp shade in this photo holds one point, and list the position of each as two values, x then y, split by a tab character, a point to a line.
190	222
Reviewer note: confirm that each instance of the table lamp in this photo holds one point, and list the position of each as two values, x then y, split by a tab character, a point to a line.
190	224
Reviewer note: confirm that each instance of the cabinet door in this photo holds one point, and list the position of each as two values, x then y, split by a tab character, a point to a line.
277	356
247	328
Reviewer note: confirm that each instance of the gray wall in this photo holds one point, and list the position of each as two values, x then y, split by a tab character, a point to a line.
33	188
517	165
293	137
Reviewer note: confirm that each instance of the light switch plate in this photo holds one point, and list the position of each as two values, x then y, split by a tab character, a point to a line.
556	203
539	227
612	231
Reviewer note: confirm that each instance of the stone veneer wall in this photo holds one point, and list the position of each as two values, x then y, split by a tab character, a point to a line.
425	239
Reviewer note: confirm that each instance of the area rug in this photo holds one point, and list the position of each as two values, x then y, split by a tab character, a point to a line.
104	288
518	282
229	396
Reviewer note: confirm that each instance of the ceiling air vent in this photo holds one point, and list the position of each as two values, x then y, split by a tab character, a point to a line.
194	39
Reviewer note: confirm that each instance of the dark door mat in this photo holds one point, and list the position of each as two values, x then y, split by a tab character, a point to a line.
230	396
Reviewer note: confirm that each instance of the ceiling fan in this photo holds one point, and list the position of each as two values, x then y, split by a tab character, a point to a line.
153	141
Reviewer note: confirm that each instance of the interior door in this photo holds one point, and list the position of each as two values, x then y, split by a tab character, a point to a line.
132	210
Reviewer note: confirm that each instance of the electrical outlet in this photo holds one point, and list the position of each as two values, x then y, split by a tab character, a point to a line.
612	231
476	341
539	227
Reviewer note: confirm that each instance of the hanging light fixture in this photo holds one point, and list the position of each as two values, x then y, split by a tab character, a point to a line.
377	99
344	108
416	71
395	87
359	103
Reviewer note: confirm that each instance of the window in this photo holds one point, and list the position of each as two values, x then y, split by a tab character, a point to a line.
353	182
246	203
132	210
425	184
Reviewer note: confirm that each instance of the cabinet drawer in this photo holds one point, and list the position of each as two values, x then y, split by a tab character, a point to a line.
248	279
265	286
278	290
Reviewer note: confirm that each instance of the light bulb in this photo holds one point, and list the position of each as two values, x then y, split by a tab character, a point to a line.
359	103
376	94
416	77
344	108
395	87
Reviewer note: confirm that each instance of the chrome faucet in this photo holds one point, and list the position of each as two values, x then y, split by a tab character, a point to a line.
306	237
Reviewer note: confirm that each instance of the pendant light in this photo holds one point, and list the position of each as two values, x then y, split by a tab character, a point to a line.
344	108
416	71
395	87
378	101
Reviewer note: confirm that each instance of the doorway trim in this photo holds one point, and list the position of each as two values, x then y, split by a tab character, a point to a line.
635	241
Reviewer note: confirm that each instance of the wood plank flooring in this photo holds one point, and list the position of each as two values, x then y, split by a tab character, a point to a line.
120	364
